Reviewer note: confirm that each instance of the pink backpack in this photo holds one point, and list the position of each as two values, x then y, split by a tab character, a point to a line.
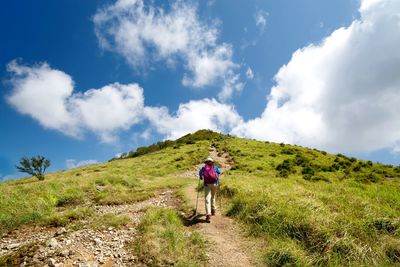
210	175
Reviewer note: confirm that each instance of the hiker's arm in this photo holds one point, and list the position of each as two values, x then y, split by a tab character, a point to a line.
201	173
217	170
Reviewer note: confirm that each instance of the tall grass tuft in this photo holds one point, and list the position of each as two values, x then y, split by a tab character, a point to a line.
163	240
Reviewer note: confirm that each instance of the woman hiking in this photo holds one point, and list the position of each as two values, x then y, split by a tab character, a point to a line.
210	172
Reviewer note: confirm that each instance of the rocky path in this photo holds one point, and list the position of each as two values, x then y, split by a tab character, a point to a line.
38	246
228	248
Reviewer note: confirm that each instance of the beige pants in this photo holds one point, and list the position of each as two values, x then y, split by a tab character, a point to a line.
210	195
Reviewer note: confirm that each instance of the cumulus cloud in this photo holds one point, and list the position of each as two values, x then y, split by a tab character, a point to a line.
145	34
193	116
40	92
110	108
342	94
73	163
47	95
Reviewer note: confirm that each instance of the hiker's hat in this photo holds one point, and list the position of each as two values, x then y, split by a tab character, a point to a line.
209	159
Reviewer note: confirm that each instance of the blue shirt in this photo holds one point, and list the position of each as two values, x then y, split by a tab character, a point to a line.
216	170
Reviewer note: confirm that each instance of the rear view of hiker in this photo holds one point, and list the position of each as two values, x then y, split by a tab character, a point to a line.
209	172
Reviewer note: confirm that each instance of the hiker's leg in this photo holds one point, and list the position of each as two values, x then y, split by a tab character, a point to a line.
213	197
207	196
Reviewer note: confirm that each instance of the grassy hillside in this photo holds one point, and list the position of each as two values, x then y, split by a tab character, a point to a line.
307	207
314	208
69	195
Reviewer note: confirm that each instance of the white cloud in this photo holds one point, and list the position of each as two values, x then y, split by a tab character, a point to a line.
230	86
73	163
110	108
342	94
145	34
46	95
261	19
40	92
249	73
208	67
192	116
146	134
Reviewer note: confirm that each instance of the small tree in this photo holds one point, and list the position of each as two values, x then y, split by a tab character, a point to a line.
36	166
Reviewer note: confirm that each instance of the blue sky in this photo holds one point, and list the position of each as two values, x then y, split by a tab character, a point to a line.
82	81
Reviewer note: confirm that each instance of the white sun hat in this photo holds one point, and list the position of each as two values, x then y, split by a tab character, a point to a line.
209	159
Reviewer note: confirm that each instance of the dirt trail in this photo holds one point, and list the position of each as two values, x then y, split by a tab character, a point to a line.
229	248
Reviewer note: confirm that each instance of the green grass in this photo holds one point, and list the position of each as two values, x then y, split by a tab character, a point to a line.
55	200
341	219
163	240
308	207
110	220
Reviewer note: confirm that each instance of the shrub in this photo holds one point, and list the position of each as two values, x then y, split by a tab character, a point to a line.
368	178
288	151
300	160
285	168
35	166
308	169
357	168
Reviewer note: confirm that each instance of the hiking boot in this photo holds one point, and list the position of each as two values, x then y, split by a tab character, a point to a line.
213	212
208	218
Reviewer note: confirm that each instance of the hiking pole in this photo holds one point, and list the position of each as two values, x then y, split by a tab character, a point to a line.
219	196
197	200
220	199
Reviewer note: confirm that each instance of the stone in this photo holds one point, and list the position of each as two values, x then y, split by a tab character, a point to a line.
52	242
13	246
65	253
88	264
61	231
51	262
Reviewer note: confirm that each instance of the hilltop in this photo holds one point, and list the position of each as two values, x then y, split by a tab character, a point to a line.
282	205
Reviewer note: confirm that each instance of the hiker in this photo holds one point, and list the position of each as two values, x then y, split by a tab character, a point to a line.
210	172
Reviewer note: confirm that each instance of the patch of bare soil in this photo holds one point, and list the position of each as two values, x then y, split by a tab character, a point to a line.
228	247
39	246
